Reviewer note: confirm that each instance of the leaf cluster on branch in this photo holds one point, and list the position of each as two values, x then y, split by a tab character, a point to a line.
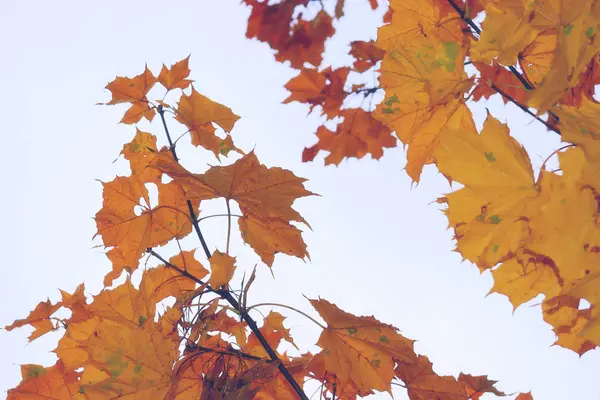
537	233
207	344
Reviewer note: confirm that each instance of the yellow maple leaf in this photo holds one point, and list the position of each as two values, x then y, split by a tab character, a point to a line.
423	76
489	213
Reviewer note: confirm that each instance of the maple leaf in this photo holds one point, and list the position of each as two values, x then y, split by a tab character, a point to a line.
478	385
128	361
524	396
423	383
199	114
506	30
567	320
581	125
134	91
46	382
423	76
489	214
121	344
140	152
131	234
360	350
571	210
161	282
222	267
39	319
176	76
269	236
293	39
525	276
357	135
76	303
307	41
367	54
265	196
273	331
271	22
325	89
576	46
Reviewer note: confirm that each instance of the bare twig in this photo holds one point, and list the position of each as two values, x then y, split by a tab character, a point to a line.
289	308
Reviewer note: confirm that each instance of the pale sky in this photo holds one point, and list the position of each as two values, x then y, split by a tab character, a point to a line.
378	245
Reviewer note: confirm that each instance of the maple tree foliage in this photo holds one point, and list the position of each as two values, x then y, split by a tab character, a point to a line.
128	343
538	233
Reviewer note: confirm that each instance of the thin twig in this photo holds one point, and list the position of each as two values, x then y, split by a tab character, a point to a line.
231	352
161	112
219	215
290	308
524	108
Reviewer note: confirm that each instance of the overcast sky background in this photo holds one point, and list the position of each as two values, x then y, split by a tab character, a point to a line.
378	246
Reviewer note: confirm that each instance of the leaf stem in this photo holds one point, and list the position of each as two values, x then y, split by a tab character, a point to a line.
231	352
219	215
228	226
289	308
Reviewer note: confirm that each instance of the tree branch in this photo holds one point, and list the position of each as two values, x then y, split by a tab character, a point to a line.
524	108
224	293
511	68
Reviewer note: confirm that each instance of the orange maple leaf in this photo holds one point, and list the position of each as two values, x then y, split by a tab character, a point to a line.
367	55
134	91
357	135
324	88
423	383
176	76
199	113
265	196
131	233
361	351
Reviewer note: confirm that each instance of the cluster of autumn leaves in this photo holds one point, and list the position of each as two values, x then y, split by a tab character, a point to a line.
537	234
207	345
